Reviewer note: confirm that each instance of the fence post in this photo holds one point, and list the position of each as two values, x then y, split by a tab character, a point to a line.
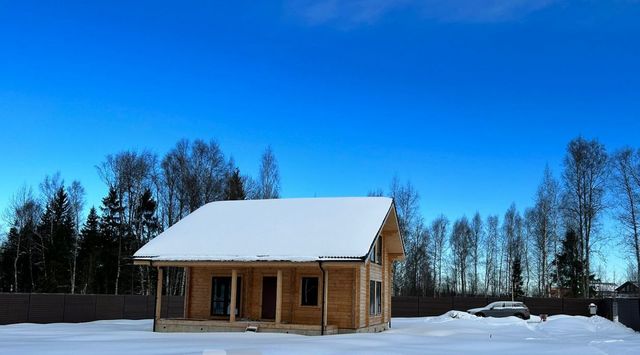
95	308
64	307
29	310
418	315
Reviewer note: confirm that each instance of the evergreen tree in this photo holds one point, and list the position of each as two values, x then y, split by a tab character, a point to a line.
570	267
146	227
56	231
234	189
91	255
10	248
516	277
112	232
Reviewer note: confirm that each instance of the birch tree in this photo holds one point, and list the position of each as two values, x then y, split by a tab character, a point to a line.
491	247
626	186
439	232
542	223
76	203
269	183
585	177
476	237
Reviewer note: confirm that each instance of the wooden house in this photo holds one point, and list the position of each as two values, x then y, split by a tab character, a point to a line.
629	289
308	266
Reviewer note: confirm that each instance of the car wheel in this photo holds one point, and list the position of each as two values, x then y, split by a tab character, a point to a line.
521	316
480	315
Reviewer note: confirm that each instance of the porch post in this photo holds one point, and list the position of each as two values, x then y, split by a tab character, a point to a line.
279	297
187	291
158	297
234	292
325	299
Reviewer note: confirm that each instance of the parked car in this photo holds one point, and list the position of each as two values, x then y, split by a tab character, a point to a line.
502	309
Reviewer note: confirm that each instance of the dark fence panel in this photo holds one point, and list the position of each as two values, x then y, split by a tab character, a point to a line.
135	307
79	308
405	306
14	308
629	312
55	308
175	306
429	306
109	307
46	308
434	306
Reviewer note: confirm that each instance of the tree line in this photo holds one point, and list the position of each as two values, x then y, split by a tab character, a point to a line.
543	250
51	247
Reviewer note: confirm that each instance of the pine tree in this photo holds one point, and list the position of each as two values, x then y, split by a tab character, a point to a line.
56	230
146	227
8	271
91	248
112	231
234	189
571	268
516	277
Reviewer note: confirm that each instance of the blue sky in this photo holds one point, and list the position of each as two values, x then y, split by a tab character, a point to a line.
467	99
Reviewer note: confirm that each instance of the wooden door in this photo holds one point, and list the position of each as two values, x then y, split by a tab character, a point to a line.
269	289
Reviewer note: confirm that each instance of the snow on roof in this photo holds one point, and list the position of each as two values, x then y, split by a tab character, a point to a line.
301	229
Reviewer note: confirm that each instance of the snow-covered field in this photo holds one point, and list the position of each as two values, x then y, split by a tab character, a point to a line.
452	333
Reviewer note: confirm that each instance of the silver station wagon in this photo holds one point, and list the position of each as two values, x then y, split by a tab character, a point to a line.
502	309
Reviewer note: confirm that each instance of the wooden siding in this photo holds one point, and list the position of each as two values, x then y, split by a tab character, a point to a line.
348	294
340	305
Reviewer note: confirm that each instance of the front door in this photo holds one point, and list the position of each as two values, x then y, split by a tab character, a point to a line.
269	289
221	296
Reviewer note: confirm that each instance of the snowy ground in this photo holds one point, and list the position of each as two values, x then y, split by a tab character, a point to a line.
452	333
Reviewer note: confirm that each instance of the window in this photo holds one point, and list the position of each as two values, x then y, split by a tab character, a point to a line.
376	251
379	297
309	291
375	297
372	297
221	295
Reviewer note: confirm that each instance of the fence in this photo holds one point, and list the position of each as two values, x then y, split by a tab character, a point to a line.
629	312
54	308
429	306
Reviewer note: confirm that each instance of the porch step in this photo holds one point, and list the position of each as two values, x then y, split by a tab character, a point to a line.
252	328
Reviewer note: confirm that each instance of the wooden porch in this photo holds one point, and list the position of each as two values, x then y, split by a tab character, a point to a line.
208	325
245	289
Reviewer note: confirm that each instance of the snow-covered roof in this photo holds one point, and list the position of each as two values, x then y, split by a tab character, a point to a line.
301	229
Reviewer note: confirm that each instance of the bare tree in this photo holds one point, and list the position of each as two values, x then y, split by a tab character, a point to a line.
585	177
491	240
439	236
76	204
626	183
130	174
23	214
269	175
461	235
542	224
476	237
406	199
510	226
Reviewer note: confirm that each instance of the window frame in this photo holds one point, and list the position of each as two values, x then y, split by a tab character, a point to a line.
375	298
226	299
302	293
375	255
